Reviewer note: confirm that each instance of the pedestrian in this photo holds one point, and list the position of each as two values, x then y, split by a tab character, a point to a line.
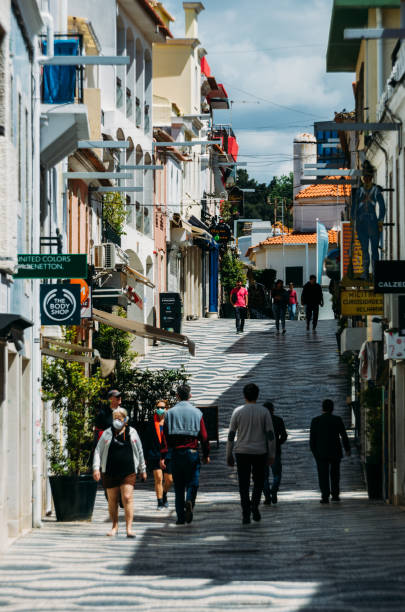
280	433
326	431
157	450
184	427
280	301
104	418
257	300
119	454
312	298
292	301
239	300
254	448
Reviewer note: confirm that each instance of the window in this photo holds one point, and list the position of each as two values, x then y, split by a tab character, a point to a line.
294	274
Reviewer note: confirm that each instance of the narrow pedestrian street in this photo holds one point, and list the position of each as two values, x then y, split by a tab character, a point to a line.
302	556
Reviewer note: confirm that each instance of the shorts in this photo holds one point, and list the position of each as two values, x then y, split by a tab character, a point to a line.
110	482
154	464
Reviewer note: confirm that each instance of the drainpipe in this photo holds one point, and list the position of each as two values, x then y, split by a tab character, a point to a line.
48	21
380	57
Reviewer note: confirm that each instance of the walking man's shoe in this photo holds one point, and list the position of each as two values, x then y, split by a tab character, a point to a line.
179	522
284	330
267	501
256	516
165	502
160	504
336	498
324	500
246	520
274	498
189	511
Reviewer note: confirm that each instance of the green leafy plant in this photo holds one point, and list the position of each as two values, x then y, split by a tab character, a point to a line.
115	212
151	385
372	399
74	398
232	270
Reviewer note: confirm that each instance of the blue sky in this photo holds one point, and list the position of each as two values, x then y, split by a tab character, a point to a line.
270	56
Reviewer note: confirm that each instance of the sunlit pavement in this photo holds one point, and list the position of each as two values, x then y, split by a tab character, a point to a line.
301	556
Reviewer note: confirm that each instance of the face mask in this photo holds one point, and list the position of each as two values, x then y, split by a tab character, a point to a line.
160	411
117	424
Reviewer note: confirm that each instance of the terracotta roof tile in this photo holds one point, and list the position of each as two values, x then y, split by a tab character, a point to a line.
294	238
325	191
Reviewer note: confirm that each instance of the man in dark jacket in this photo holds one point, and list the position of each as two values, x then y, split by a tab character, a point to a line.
280	433
184	427
312	298
326	432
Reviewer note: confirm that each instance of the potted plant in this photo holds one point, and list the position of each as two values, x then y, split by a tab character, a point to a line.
371	399
74	397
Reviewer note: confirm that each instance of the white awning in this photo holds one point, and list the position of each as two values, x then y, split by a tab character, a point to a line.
143	330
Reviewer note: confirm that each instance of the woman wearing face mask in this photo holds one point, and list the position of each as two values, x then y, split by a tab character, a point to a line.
119	454
157	450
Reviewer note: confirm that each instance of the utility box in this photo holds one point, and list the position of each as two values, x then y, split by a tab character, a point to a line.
171	312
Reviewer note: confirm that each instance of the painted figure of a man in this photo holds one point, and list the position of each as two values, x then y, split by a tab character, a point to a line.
368	221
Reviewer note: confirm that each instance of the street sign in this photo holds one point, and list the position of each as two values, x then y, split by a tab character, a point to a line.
389	276
51	266
60	304
360	303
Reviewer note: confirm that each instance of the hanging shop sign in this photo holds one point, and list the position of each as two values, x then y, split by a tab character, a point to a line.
221	232
360	303
60	304
85	297
389	276
51	266
348	237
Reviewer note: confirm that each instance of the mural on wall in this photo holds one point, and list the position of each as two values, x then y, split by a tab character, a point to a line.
368	212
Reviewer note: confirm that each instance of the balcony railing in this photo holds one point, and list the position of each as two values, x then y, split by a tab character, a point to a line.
63	84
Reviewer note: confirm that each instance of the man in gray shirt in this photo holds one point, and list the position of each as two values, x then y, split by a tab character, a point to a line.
254	448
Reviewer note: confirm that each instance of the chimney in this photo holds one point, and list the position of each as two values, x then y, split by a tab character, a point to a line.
191	11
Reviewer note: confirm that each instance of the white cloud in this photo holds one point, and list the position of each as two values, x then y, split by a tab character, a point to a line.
267	153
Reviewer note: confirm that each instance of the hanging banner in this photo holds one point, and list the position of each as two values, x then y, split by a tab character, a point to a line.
346	248
322	245
60	304
360	303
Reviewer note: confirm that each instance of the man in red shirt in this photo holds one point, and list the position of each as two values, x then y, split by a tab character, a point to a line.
239	300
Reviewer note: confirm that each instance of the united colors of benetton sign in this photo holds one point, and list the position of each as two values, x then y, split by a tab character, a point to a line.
51	266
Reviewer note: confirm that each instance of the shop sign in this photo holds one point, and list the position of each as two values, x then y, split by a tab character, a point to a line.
389	276
346	248
60	304
223	231
85	297
360	303
51	266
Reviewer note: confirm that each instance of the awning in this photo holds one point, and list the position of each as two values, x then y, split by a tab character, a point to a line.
46	342
140	277
143	330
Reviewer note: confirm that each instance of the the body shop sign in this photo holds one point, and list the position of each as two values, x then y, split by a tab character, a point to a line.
60	304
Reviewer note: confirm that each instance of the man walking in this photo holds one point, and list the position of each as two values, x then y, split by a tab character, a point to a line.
312	298
254	448
324	441
270	494
184	427
239	300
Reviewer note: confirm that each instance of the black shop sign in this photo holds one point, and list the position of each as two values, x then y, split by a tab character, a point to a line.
389	276
223	231
60	304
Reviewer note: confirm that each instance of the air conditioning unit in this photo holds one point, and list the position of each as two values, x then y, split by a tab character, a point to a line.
110	256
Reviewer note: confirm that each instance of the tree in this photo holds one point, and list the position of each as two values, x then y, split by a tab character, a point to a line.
267	201
232	270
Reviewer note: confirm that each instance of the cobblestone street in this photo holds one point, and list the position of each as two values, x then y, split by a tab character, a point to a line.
301	556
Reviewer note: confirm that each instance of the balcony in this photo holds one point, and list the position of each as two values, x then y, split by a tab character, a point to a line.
138	113
63	84
130	106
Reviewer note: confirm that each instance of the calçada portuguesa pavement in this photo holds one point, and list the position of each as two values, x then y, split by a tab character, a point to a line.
301	556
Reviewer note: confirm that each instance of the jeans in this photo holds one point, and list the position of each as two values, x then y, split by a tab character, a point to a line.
328	476
279	313
246	465
276	468
185	466
292	308
312	310
240	314
367	231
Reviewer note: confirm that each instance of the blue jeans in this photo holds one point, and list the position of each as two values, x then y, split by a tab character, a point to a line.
367	231
292	310
276	468
185	465
279	313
